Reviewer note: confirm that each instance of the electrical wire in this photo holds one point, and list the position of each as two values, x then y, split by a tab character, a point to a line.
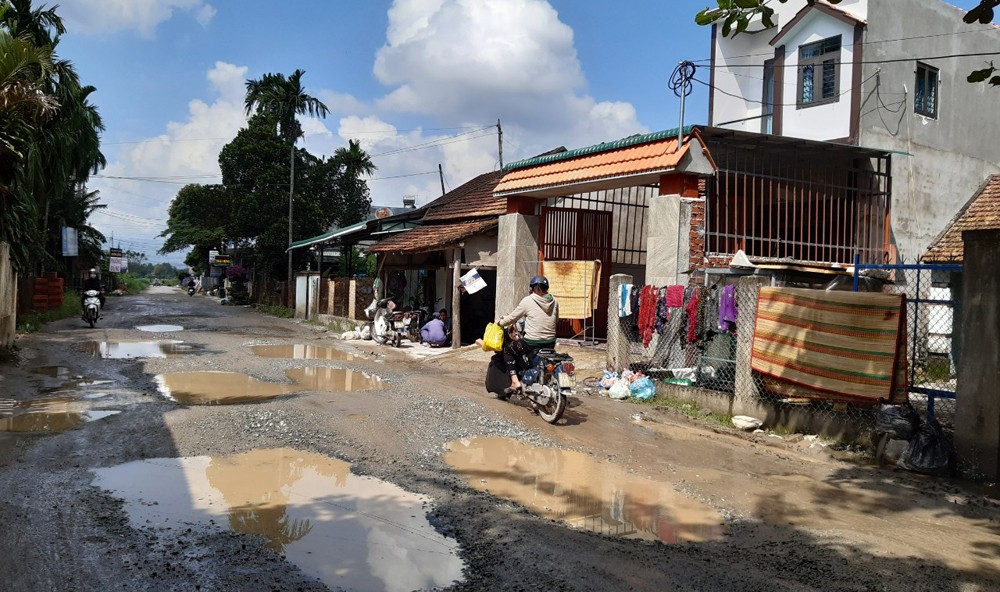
759	102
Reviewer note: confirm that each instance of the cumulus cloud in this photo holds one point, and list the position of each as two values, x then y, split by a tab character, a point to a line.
99	17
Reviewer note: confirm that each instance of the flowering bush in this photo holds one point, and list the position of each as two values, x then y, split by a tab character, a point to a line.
236	273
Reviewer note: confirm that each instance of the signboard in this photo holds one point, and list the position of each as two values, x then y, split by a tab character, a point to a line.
472	281
222	261
113	252
70	242
115	265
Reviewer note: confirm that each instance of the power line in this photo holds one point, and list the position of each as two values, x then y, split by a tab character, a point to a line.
736	96
438	142
869	62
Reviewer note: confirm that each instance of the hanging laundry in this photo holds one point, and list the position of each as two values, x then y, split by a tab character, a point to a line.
625	300
691	308
728	309
662	314
632	322
647	314
675	296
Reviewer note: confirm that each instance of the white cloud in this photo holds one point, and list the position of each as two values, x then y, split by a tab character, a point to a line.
98	17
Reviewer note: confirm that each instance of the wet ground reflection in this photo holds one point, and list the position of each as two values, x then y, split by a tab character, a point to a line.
351	532
54	414
227	388
138	349
160	328
575	488
299	351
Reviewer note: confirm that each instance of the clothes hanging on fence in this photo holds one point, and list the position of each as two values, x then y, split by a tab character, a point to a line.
691	308
728	309
647	314
632	321
662	314
625	300
675	296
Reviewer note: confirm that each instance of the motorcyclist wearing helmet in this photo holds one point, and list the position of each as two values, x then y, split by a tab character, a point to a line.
93	283
540	311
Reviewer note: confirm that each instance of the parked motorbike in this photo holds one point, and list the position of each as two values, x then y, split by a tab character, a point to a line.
547	380
91	307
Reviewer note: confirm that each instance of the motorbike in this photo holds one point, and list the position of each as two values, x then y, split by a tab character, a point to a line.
383	327
91	307
190	289
547	380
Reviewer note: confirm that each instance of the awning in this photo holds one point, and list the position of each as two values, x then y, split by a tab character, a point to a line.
432	237
330	235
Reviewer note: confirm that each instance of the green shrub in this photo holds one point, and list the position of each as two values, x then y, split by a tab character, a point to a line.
133	284
276	311
33	321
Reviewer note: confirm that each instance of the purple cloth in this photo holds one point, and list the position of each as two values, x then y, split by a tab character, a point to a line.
433	332
728	309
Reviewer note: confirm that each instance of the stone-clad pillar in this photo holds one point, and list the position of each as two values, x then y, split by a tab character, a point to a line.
977	400
517	256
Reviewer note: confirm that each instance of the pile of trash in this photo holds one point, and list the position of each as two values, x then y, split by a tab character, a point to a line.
928	448
634	385
361	333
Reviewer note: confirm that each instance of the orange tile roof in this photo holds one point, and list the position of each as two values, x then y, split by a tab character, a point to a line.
659	155
432	237
982	212
473	199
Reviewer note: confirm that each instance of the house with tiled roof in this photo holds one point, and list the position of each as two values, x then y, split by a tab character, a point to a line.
981	212
457	233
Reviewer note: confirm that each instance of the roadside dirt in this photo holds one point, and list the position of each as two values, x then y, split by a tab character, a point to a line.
794	517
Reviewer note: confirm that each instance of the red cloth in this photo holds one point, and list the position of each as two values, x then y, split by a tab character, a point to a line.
692	311
675	296
647	314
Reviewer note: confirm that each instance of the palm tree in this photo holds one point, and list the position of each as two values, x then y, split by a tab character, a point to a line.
284	99
351	164
356	161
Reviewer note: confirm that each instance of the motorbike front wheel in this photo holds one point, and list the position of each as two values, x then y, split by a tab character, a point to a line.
556	405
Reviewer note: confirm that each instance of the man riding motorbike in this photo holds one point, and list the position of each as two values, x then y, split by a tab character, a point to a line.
92	283
540	311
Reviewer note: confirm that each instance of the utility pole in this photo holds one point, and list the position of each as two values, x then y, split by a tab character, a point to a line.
500	142
441	175
291	192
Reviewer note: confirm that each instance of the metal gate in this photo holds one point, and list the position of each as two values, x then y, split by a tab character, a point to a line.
567	234
933	309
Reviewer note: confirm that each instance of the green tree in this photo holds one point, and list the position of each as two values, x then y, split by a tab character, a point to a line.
284	99
353	163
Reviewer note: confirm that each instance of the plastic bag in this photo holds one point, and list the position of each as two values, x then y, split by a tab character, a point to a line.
642	388
929	452
901	421
619	390
608	379
493	338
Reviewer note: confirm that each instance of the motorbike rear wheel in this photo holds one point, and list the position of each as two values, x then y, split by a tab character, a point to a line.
556	406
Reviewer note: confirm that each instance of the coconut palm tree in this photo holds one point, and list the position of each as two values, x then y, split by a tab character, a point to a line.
284	99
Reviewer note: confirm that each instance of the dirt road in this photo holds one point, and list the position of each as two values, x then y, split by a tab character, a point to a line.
185	456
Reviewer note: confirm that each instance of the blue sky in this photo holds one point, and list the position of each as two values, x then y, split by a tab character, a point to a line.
417	81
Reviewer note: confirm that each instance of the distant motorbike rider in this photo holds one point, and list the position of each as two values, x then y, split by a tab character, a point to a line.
540	311
93	283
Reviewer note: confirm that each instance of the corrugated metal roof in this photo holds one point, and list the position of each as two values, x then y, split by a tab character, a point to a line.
432	237
473	199
330	234
602	147
982	212
658	152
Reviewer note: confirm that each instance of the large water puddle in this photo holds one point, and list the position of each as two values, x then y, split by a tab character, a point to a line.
227	388
139	349
300	351
55	414
583	492
160	328
349	531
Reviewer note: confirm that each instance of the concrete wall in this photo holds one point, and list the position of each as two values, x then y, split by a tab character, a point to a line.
667	248
517	244
952	154
977	400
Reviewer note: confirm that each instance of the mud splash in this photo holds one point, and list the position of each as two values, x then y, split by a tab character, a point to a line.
228	388
160	328
582	492
300	351
351	532
138	349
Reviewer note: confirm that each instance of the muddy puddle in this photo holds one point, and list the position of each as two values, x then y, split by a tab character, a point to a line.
299	351
118	350
160	328
583	492
56	414
351	532
227	388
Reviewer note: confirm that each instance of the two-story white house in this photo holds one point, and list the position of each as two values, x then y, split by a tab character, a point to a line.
885	74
